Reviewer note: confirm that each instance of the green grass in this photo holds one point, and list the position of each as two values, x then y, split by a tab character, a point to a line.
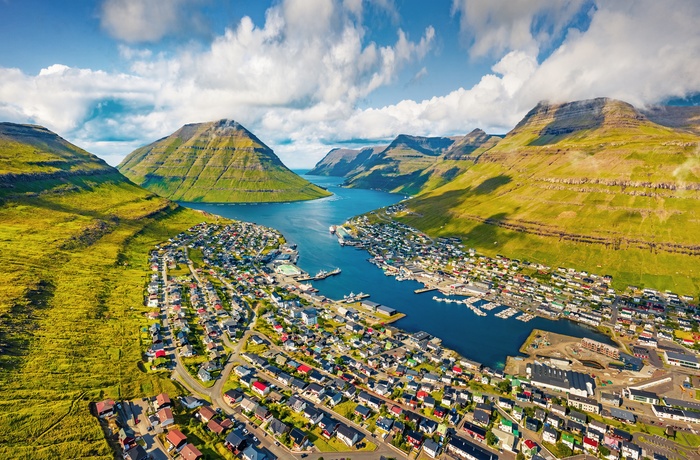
235	167
71	307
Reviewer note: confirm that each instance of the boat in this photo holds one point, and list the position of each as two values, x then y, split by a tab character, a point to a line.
332	229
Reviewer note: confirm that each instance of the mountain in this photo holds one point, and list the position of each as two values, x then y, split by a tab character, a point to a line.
343	162
593	184
396	168
218	161
410	164
74	245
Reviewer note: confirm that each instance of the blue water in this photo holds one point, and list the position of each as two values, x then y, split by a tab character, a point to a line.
486	339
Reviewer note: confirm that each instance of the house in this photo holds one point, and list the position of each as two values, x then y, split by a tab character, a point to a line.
482	417
568	440
261	413
206	413
191	402
203	375
584	404
549	435
506	425
248	405
363	411
253	453
415	439
105	408
298	437
462	448
631	450
312	414
529	448
277	427
218	427
328	426
127	439
578	417
165	417
260	388
233	396
589	444
348	435
532	424
137	453
190	452
162	401
475	431
235	441
431	448
428	426
642	396
176	439
384	424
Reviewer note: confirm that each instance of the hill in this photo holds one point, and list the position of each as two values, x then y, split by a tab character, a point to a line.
590	184
344	162
73	250
396	168
216	162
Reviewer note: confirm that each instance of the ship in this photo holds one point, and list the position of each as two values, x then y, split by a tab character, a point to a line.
332	229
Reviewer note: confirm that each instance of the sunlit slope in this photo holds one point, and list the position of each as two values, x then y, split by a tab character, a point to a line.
74	237
592	183
216	162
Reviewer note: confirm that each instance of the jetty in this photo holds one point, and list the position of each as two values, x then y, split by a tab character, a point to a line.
425	289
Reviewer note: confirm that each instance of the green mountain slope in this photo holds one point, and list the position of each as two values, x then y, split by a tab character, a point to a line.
397	168
216	162
74	236
591	184
344	162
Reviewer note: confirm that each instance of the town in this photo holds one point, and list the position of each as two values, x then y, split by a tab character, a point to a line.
269	368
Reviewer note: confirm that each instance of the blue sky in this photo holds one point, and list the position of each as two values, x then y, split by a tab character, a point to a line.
305	75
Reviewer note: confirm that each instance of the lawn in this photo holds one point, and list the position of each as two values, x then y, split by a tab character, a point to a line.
346	409
71	301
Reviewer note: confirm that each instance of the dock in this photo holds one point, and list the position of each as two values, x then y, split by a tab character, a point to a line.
425	289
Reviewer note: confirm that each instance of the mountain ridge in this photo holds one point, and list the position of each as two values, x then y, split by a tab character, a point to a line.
218	161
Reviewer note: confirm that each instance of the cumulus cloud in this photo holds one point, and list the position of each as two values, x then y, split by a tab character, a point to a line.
499	26
146	20
299	88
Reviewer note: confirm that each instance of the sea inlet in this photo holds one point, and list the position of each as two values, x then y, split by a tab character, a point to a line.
486	339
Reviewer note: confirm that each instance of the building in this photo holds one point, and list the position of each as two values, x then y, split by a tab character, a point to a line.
568	381
348	435
431	448
602	348
676	414
642	396
584	404
462	448
681	360
176	439
190	452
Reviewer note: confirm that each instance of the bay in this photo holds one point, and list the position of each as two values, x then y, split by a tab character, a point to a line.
486	339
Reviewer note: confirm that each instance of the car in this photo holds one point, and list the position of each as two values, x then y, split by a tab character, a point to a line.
304	455
255	438
277	443
245	431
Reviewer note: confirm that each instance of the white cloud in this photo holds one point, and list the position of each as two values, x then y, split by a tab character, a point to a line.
498	26
146	20
290	83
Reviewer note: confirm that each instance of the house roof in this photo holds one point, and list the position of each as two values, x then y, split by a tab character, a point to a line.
165	414
175	437
162	399
190	452
260	385
206	413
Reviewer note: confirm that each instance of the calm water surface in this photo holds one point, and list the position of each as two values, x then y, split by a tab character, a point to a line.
487	339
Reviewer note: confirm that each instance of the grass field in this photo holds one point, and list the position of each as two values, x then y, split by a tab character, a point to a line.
71	307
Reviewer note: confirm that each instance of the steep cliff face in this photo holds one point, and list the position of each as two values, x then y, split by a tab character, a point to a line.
466	145
571	117
343	162
216	162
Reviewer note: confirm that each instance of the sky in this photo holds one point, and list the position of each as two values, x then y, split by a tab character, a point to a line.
306	76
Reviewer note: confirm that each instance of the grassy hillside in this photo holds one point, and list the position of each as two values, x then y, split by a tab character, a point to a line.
592	184
398	167
216	162
344	162
73	245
